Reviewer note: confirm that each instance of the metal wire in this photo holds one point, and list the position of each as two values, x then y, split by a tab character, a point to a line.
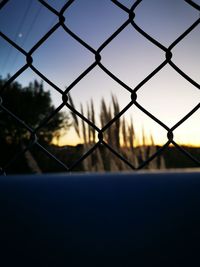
168	51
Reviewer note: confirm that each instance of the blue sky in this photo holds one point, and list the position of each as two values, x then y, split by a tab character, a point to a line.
129	56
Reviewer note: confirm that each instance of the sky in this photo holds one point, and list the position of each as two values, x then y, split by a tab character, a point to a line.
130	57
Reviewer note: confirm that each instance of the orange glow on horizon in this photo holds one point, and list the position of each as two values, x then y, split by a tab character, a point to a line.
70	139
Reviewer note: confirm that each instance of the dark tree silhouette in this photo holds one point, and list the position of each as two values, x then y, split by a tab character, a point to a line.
32	104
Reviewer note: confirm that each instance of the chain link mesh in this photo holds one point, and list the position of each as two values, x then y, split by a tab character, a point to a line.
97	63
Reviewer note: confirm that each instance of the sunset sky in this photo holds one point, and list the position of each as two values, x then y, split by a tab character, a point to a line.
130	57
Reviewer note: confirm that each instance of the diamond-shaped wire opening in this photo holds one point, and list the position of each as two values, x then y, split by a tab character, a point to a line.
168	87
59	53
98	89
25	27
131	57
158	18
188	47
136	138
188	133
91	23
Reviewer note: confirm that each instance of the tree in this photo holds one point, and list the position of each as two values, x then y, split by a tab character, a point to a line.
31	104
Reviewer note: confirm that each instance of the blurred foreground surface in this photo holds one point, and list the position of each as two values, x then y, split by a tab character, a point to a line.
143	219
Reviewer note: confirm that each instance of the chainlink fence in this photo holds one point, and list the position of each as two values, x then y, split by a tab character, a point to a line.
168	51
